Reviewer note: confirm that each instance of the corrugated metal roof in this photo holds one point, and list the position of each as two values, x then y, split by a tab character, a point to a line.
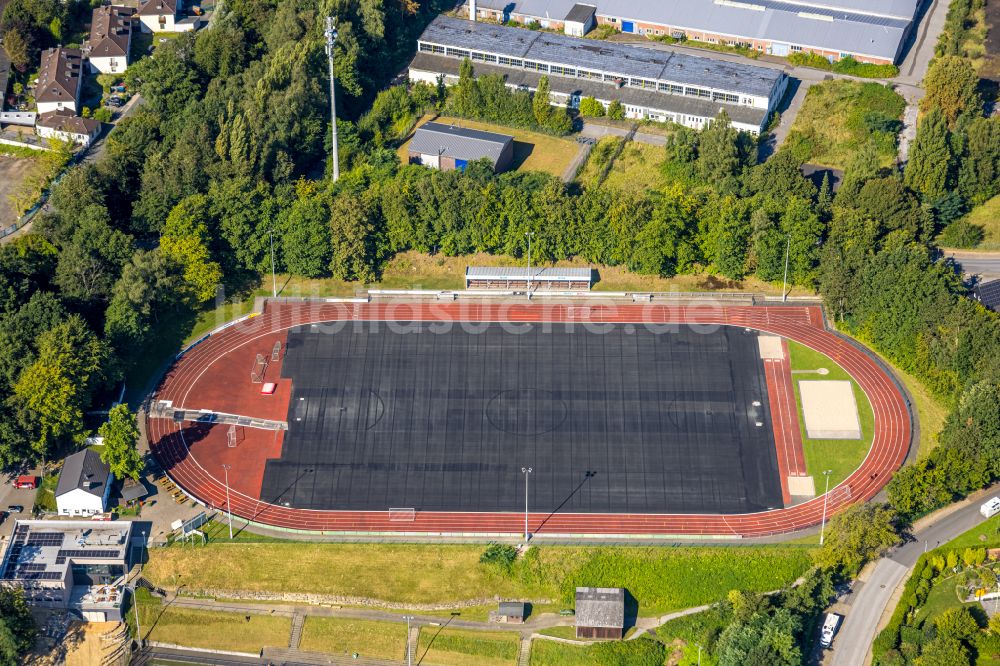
602	56
458	142
511	608
866	27
522	272
650	99
600	607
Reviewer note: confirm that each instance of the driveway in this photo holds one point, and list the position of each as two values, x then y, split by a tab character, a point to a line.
871	597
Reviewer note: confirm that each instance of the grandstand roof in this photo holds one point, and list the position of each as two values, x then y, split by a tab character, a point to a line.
522	272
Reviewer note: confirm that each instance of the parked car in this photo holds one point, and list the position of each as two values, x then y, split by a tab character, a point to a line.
26	482
830	626
990	508
15	508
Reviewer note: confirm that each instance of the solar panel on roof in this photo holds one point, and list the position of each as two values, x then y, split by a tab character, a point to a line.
88	553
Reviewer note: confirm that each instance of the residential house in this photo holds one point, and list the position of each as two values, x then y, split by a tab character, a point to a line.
110	39
65	126
84	485
59	80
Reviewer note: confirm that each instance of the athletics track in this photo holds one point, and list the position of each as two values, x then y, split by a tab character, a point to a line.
802	324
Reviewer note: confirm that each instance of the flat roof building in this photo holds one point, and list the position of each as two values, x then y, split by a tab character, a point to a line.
659	85
868	30
600	612
448	147
70	564
522	278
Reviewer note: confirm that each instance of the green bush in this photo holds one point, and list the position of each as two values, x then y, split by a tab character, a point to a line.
847	65
961	234
499	555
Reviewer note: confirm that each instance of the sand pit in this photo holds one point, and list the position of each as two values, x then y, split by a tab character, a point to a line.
830	410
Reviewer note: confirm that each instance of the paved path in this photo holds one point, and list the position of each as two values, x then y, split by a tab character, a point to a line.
596	131
871	598
984	264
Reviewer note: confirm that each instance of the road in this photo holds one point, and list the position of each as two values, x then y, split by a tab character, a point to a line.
984	264
870	598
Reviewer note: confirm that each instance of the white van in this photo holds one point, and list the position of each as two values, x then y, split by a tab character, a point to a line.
991	508
829	629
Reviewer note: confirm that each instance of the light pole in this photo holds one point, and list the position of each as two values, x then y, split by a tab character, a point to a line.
526	471
699	653
274	280
229	507
822	529
409	650
784	280
331	38
529	234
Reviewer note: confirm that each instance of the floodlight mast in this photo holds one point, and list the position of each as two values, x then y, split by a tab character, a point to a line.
331	38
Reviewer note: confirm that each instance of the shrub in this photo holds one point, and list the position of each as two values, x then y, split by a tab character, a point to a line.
591	108
962	234
616	111
499	555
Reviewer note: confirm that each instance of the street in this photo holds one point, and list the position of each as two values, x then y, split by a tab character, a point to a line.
870	598
984	264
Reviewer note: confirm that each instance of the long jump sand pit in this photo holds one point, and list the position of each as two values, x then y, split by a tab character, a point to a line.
830	410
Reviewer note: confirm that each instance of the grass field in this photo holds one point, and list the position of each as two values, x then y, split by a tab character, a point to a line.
843	456
554	653
45	496
454	647
209	629
661	579
639	168
23	175
839	116
639	651
987	216
532	151
381	640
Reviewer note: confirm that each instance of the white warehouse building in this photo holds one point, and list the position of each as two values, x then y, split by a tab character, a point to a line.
650	84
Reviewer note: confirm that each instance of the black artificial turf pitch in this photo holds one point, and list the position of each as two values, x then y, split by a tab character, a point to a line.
625	421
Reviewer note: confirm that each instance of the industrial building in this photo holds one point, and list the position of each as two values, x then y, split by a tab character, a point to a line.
448	147
868	30
73	565
650	84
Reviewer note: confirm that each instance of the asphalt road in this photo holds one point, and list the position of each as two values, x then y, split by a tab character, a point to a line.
984	264
869	599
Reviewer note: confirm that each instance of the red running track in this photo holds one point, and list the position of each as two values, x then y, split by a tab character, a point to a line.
887	453
784	419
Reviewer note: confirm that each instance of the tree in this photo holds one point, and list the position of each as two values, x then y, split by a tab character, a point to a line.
353	225
541	104
943	652
718	154
305	237
979	162
950	87
17	48
186	239
17	626
149	285
591	108
762	639
856	535
120	433
930	158
91	261
616	111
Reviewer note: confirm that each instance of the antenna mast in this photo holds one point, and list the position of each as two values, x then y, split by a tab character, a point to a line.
331	38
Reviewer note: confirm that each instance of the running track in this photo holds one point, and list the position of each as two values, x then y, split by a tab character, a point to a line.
888	451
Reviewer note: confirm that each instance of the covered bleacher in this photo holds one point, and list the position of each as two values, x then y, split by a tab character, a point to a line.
533	279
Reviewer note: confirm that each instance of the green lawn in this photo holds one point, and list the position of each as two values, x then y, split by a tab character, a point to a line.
208	629
639	168
45	496
843	456
455	647
837	117
568	631
381	640
661	579
987	216
597	161
640	651
554	653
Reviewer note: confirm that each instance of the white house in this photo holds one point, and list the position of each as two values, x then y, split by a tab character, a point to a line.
64	126
84	485
166	16
59	80
110	39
